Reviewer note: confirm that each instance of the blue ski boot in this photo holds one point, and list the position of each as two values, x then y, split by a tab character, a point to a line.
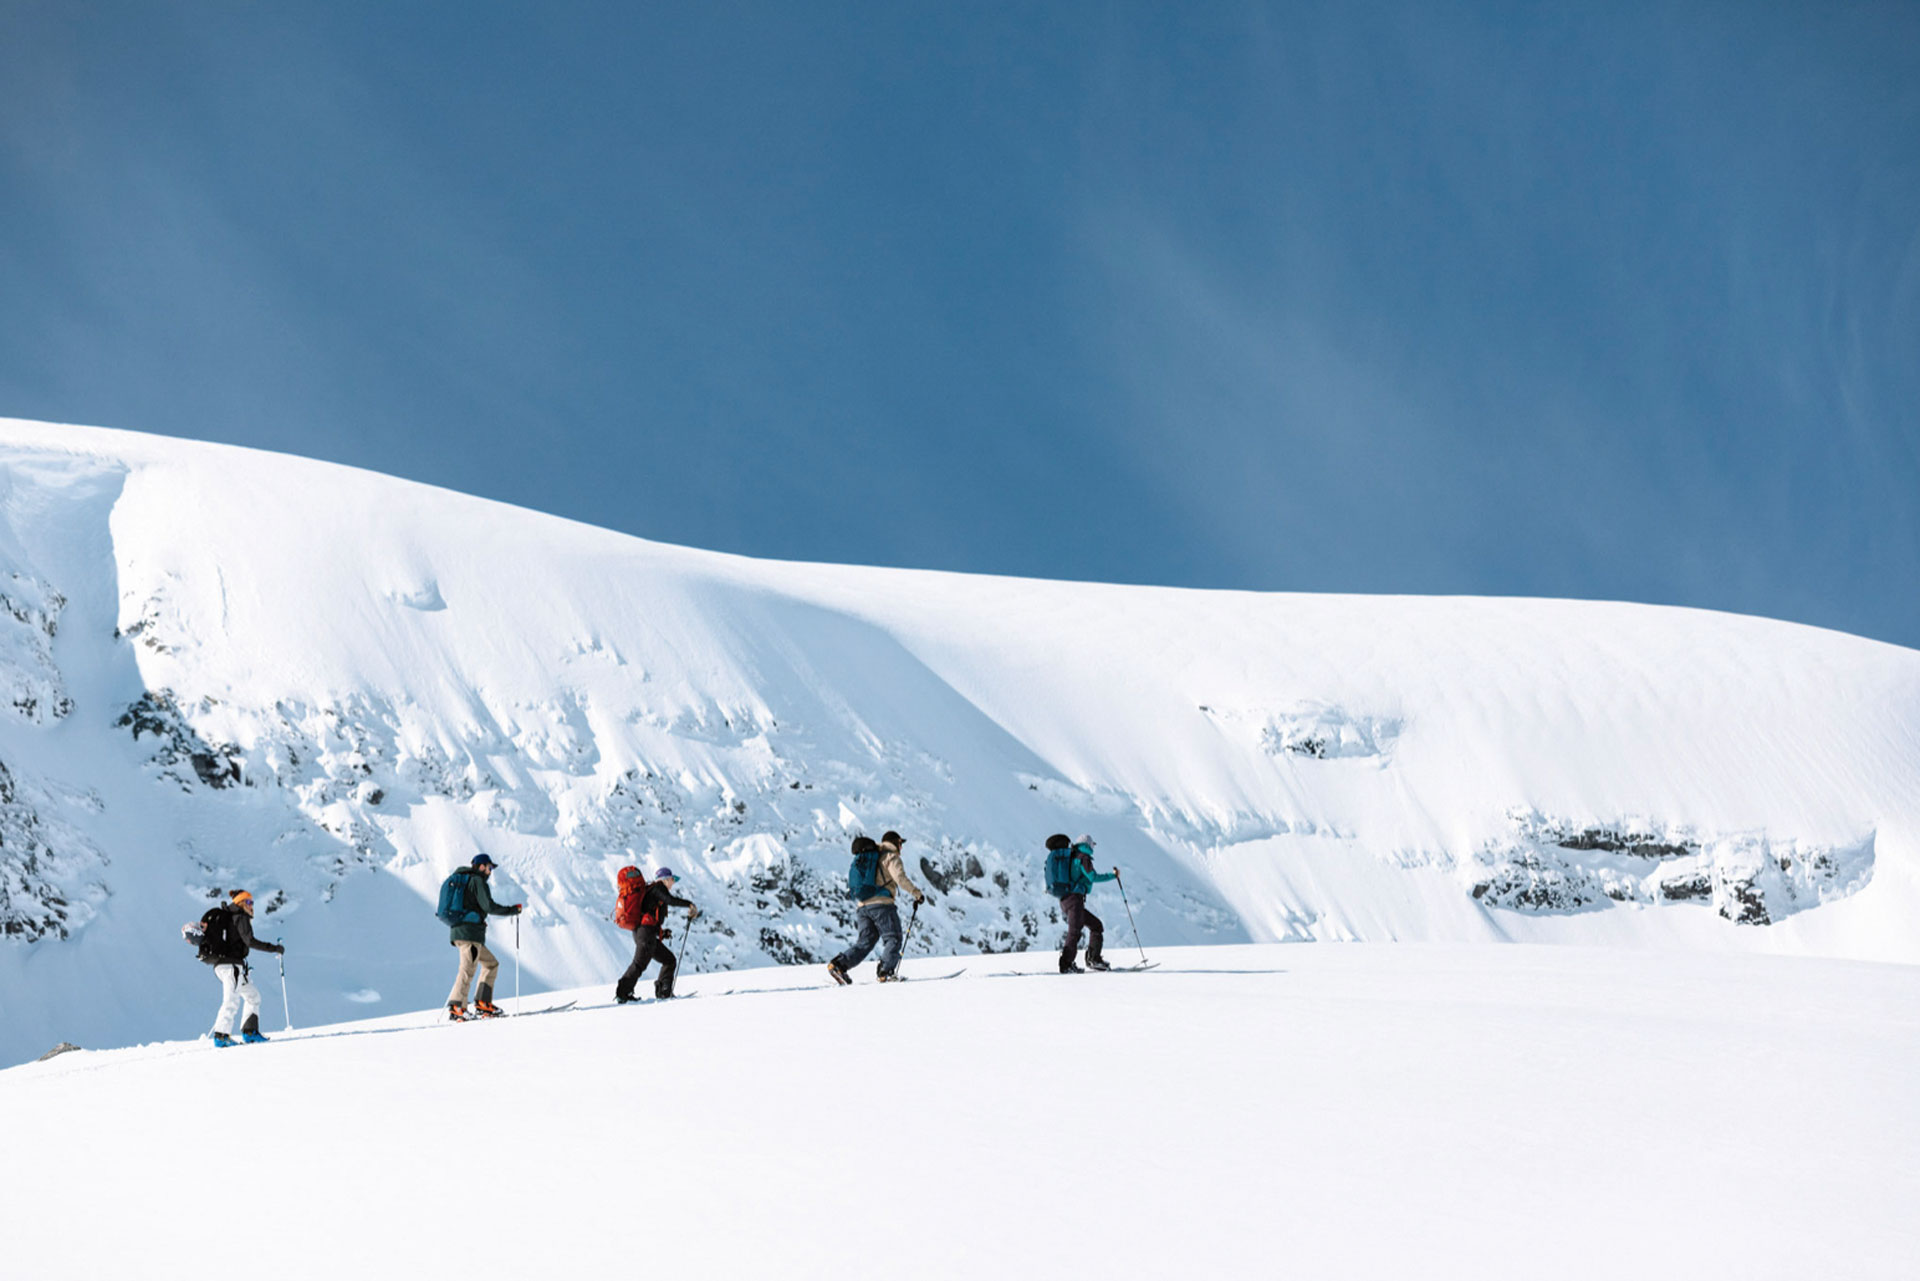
222	1040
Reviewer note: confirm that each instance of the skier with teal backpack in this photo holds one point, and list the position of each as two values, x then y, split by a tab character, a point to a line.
875	874
465	904
1070	876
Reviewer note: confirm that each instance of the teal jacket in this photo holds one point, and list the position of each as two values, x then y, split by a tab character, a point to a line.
479	899
1084	878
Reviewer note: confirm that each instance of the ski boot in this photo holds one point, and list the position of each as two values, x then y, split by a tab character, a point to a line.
1067	966
624	998
456	1012
893	976
1095	963
252	1038
222	1040
837	974
486	1010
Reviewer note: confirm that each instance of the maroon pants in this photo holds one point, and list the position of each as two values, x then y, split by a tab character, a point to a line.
1079	918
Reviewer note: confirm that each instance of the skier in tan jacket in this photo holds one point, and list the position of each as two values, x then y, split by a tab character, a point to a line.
878	874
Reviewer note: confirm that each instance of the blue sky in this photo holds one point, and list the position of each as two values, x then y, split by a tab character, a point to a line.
1616	301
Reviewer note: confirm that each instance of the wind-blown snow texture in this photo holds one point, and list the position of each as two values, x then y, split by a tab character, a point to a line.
223	667
1357	1112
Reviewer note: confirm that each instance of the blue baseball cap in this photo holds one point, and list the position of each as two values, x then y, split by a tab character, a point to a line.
662	873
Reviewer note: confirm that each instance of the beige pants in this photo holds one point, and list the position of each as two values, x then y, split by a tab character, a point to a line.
472	954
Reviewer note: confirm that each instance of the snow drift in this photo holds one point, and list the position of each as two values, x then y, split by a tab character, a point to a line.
1353	1112
221	667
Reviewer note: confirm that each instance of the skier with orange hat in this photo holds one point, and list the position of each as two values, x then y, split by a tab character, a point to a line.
225	936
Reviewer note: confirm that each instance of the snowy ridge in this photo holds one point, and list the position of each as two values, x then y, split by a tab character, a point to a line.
226	667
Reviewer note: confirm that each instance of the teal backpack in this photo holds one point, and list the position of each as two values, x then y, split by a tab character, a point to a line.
1060	859
863	877
453	909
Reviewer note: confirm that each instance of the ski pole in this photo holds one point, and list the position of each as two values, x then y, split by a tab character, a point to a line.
686	944
285	1009
516	958
911	918
1130	921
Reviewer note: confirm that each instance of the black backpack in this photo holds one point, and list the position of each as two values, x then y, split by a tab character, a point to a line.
219	941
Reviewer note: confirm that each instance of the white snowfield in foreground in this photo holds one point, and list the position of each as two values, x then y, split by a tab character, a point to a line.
1361	1111
221	668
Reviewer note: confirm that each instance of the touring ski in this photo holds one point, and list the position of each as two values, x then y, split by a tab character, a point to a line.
935	978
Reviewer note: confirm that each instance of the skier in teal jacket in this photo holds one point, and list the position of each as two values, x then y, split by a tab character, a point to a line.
1074	905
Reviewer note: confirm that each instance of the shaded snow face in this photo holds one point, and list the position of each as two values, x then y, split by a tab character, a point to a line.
52	879
233	669
52	876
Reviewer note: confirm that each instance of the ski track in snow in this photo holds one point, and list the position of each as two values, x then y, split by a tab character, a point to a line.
1355	1112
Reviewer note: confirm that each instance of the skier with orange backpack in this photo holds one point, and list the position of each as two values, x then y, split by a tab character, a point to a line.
643	909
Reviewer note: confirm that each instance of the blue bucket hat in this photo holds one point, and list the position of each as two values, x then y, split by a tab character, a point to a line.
480	861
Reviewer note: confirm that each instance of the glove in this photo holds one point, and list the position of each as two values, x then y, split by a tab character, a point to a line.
666	933
519	908
692	912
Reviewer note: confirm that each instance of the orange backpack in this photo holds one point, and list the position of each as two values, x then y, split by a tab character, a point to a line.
633	887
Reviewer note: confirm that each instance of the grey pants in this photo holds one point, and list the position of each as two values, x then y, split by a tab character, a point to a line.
878	922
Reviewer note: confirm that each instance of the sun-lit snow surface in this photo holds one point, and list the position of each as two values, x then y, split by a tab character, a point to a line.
226	667
1330	1112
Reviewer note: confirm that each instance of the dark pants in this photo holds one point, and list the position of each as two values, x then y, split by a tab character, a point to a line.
1078	918
877	922
648	948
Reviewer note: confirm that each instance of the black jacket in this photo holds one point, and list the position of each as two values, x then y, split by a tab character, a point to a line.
239	940
243	927
654	904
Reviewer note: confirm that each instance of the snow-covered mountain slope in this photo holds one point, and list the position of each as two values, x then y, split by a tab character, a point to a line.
1353	1112
223	667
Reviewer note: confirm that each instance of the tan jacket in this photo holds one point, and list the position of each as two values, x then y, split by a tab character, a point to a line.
893	874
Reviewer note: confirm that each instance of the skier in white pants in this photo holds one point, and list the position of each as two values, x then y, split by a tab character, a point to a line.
228	937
